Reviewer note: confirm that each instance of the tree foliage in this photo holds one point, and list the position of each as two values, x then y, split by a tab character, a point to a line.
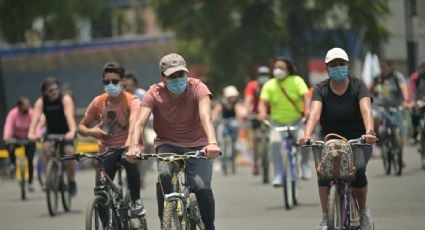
234	36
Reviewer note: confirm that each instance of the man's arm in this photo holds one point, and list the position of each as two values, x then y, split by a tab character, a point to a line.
68	105
212	150
262	109
38	110
140	121
8	126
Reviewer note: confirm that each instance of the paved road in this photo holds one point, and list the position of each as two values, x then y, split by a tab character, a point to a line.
242	202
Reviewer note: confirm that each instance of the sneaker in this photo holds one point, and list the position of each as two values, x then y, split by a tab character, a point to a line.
306	172
277	181
366	222
72	188
323	225
136	208
30	187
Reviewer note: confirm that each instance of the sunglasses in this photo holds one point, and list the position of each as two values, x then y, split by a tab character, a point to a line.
51	90
107	82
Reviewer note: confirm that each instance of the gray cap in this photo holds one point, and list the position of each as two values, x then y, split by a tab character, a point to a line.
172	63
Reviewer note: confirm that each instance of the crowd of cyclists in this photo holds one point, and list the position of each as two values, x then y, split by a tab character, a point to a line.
180	115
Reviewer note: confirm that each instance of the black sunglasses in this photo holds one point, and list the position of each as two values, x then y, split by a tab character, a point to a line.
107	82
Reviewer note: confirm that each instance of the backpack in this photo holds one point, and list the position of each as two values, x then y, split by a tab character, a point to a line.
336	160
101	102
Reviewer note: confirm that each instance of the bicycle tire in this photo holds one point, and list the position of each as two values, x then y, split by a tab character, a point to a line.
95	213
288	189
334	209
386	158
227	154
64	190
195	219
264	160
422	148
398	162
22	182
52	186
170	219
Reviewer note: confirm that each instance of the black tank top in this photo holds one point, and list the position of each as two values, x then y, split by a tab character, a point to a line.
420	87
55	116
228	112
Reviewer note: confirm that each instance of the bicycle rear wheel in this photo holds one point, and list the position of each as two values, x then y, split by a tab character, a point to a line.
227	154
334	219
263	150
386	158
170	219
52	186
64	189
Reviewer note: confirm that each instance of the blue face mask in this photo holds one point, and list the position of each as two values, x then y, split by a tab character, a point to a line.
113	90
338	73
177	85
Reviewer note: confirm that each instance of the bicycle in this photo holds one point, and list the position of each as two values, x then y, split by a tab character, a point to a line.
109	208
21	168
56	176
420	106
288	168
388	133
227	126
263	151
181	211
343	209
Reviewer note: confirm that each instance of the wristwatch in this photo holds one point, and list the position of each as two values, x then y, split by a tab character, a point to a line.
371	132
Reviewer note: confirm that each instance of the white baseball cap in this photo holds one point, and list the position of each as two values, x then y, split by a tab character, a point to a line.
230	91
335	53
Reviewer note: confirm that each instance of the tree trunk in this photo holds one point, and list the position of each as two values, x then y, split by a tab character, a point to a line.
297	41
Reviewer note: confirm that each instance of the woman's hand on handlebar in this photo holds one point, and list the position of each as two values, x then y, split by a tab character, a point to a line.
369	138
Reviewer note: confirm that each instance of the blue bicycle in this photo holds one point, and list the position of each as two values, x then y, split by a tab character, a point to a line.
288	166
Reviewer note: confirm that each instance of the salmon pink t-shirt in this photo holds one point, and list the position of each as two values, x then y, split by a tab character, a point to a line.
114	119
17	124
177	121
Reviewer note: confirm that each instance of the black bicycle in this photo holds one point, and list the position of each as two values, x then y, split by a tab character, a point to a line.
110	207
56	176
181	211
389	133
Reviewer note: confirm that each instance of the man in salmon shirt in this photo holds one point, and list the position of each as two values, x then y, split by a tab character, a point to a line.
108	118
16	127
181	108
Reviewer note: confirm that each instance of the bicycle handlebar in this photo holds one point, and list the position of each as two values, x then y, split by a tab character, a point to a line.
284	128
99	156
170	157
353	142
16	141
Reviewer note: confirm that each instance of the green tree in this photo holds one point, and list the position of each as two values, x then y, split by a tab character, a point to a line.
233	36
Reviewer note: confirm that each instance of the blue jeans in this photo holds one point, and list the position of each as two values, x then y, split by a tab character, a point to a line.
199	175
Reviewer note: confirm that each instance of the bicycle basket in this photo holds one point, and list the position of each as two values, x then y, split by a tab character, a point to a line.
336	160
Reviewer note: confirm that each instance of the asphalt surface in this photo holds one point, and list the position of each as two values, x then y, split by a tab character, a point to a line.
242	201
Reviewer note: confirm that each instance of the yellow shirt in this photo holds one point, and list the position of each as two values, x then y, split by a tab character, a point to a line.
281	109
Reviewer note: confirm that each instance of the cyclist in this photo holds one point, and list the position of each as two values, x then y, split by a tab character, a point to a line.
252	96
285	94
342	105
108	118
181	108
58	109
231	108
16	126
131	86
416	92
389	89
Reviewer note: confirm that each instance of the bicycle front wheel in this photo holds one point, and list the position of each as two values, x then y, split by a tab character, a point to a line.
289	186
422	148
64	189
334	219
22	183
195	220
100	216
52	187
170	219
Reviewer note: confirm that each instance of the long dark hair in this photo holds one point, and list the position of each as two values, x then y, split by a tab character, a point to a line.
49	81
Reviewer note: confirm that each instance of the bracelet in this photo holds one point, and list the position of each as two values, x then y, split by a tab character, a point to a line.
371	132
136	145
212	143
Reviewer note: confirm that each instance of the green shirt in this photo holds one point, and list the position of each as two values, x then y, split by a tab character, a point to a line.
281	109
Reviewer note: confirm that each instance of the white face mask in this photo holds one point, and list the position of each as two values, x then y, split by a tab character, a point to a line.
279	73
